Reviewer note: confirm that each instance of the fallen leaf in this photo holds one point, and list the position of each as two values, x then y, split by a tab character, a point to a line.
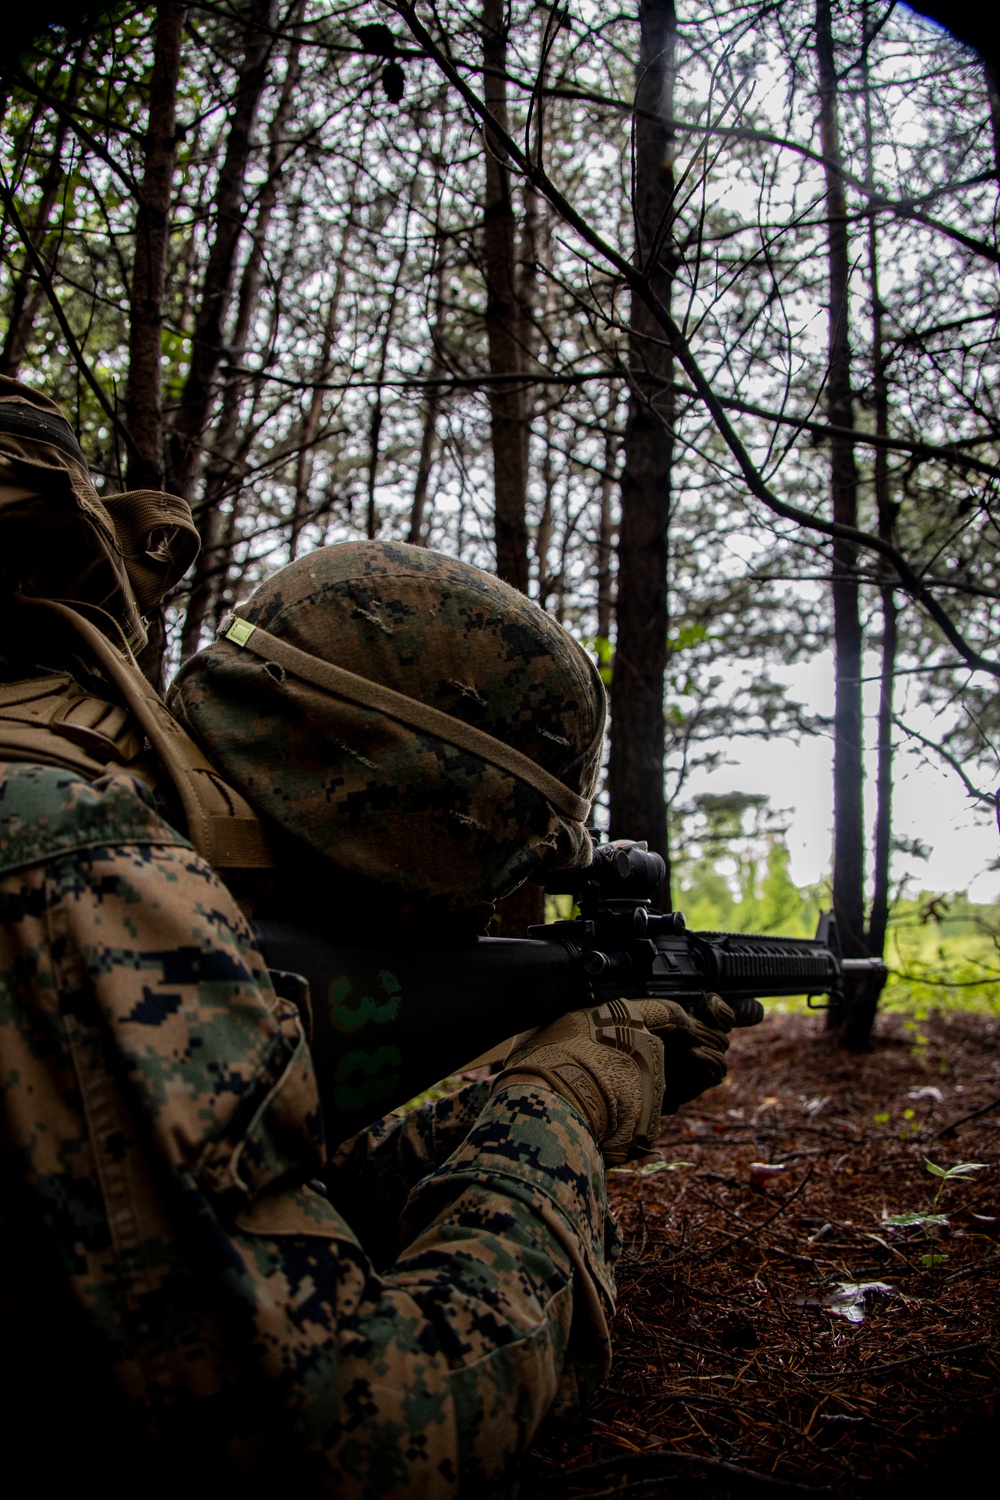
648	1168
846	1299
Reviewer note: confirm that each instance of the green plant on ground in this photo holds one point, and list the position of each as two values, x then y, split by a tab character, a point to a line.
932	1223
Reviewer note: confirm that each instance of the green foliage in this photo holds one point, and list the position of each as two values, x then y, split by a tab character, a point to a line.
932	1223
604	650
731	875
765	899
943	952
735	879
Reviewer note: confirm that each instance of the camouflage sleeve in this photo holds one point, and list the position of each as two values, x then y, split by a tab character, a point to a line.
161	1110
371	1175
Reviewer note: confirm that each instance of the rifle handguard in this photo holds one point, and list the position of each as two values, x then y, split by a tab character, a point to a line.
607	1064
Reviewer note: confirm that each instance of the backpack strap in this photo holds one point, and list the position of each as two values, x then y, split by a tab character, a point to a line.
222	825
51	721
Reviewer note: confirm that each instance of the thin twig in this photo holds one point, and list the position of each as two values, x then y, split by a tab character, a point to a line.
638	283
896	1364
714	1250
974	1114
751	1478
50	292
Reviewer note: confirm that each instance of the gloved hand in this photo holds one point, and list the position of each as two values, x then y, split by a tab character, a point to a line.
606	1063
612	1062
694	1046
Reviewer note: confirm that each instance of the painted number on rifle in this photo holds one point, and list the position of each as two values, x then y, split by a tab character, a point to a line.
366	1077
350	1012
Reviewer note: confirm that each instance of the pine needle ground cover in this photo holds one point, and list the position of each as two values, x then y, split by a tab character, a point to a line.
805	1306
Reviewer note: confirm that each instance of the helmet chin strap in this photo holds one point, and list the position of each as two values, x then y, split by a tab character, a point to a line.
420	716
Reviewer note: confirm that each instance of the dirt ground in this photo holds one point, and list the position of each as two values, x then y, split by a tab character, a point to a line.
733	1373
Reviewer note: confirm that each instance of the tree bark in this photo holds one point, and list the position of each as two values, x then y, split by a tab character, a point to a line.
857	1026
993	100
223	471
508	414
848	769
428	444
228	213
605	532
372	522
432	405
143	391
636	770
312	416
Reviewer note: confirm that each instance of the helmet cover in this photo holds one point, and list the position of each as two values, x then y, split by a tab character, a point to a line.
374	797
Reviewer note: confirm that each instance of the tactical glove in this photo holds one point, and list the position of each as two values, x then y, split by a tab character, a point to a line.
694	1046
625	1063
606	1063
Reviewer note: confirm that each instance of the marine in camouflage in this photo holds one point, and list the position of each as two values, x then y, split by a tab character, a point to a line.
405	810
163	1222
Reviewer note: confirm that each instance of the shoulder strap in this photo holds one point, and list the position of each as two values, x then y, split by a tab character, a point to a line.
221	824
51	721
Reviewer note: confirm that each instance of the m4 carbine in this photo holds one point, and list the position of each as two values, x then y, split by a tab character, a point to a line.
390	1021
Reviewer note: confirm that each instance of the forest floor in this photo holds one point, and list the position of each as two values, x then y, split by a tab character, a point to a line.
734	1372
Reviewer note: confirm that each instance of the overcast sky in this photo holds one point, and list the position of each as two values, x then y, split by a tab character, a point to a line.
930	803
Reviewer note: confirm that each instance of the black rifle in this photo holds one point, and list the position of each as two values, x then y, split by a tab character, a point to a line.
390	1021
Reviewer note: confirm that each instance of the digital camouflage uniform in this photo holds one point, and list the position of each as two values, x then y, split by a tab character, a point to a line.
161	1218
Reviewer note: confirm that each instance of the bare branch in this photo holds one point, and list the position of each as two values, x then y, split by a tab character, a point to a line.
909	579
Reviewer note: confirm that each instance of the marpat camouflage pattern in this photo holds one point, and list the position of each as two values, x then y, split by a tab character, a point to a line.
161	1219
401	808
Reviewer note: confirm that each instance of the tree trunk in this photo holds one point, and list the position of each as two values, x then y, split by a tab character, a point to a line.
848	769
508	418
372	522
428	444
143	392
993	99
636	770
228	214
509	404
543	536
313	415
605	531
861	1018
223	472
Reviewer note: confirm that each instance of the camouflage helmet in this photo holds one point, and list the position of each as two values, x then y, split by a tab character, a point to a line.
406	718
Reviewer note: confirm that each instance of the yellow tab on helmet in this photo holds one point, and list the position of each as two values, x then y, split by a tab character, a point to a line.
240	632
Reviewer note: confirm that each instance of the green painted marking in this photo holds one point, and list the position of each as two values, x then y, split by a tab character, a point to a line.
351	1014
366	1077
